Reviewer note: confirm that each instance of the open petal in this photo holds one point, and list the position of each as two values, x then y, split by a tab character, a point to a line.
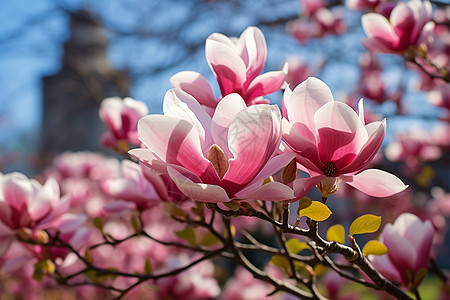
265	84
198	191
341	134
376	131
196	85
303	103
149	159
226	64
255	129
375	183
179	104
385	267
303	185
176	142
308	155
226	111
272	191
274	164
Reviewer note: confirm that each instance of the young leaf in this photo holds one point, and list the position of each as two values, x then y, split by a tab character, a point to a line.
98	222
336	233
315	210
188	235
281	262
375	248
295	246
365	224
209	240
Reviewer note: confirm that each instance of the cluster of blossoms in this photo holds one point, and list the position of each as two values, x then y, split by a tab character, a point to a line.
206	155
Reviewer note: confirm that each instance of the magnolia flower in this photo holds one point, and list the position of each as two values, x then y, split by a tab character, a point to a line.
132	187
403	29
121	117
332	142
409	242
219	158
237	65
27	205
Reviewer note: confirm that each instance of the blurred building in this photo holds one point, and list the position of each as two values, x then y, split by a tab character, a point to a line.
71	98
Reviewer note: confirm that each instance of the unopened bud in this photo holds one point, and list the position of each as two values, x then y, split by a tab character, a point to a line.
41	236
328	186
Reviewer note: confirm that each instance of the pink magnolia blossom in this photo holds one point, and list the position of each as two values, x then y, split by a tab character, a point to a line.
409	242
237	66
132	187
310	7
362	4
26	204
219	158
121	117
332	142
403	29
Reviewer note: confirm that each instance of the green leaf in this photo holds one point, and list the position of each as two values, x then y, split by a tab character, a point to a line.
419	276
147	266
88	256
375	248
365	224
188	235
315	210
336	233
295	246
233	205
198	209
209	240
38	273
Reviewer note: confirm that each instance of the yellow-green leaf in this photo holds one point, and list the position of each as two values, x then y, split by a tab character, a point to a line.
336	233
375	248
188	235
295	246
315	210
365	224
281	262
209	240
320	269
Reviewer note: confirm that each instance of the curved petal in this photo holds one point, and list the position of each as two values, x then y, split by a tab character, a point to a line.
198	191
265	84
272	166
341	134
375	183
176	142
44	200
195	85
308	155
179	104
17	191
303	103
378	27
402	20
376	130
149	159
303	185
400	251
227	65
272	191
226	111
254	51
255	129
385	267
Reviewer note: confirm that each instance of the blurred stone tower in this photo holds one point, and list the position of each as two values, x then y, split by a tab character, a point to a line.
71	98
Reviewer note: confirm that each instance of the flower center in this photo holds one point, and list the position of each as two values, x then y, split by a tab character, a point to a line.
330	169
